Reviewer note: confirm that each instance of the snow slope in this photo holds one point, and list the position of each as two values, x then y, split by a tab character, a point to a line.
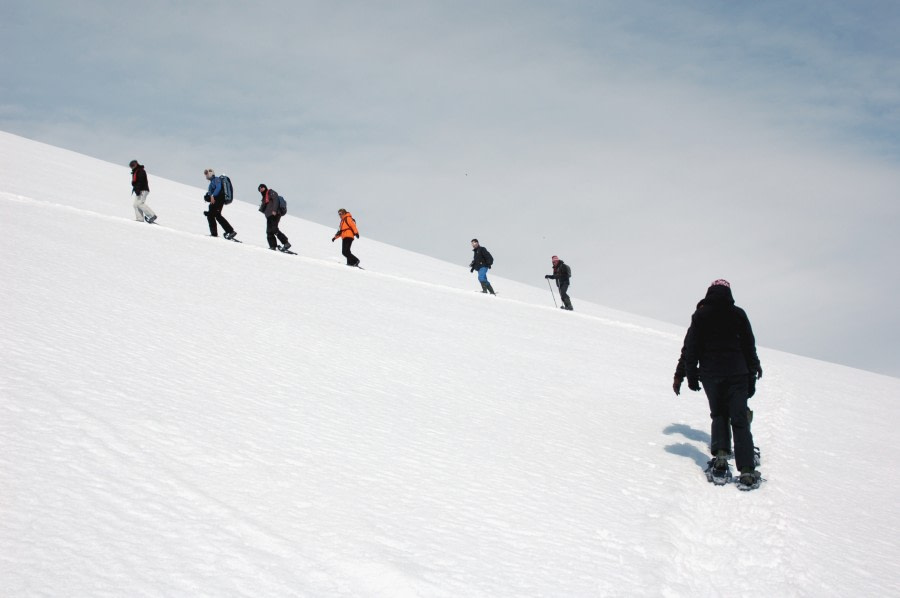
182	415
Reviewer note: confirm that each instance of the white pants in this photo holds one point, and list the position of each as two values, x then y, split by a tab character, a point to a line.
141	210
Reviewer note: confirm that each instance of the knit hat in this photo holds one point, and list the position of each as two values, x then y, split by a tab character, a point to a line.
720	282
133	164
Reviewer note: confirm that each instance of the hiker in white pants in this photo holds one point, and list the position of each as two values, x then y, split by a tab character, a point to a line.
141	189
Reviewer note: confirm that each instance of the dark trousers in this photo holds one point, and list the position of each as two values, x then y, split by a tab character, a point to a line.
727	397
563	293
214	214
346	242
272	231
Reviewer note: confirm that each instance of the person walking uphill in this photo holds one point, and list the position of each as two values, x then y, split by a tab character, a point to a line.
482	260
215	195
720	339
269	205
140	187
561	274
347	232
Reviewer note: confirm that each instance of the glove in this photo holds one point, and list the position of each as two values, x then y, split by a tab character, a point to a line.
547	276
758	371
205	213
676	386
751	386
357	235
206	197
471	269
693	383
333	238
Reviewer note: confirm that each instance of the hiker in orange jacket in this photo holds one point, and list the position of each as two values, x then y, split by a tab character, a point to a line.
347	232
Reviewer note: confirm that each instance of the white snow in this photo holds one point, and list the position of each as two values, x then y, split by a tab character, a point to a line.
182	416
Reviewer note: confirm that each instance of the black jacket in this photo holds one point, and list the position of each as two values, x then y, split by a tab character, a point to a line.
139	180
269	204
560	273
481	258
720	338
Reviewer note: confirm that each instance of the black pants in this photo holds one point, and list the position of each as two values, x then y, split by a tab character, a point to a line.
727	397
214	214
272	231
563	293
346	242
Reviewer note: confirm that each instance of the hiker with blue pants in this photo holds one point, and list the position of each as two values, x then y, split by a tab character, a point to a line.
482	261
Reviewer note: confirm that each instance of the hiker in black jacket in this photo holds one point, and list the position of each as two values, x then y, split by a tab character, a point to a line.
268	205
561	274
482	261
141	189
721	341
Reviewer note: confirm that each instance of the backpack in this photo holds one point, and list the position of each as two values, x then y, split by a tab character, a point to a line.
282	206
568	270
488	258
227	189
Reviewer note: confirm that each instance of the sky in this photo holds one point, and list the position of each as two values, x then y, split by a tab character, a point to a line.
653	147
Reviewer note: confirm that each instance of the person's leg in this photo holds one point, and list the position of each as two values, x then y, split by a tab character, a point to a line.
271	229
564	295
221	219
146	212
736	392
346	242
482	278
718	412
211	219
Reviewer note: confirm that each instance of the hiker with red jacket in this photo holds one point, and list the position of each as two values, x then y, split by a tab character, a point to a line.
347	232
141	189
269	206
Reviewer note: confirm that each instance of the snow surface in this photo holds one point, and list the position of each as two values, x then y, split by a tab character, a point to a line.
182	416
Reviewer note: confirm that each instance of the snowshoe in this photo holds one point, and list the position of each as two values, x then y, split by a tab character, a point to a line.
715	473
749	480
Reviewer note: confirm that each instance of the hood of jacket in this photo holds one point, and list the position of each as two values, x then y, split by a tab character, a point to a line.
718	295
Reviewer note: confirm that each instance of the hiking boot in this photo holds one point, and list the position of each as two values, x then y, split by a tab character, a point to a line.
286	246
151	219
750	477
230	235
720	462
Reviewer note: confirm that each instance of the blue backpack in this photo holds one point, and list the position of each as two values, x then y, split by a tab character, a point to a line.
282	206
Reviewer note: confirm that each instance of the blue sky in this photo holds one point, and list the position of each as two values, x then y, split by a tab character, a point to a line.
655	146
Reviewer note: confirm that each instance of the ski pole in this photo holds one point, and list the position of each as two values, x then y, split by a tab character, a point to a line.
552	294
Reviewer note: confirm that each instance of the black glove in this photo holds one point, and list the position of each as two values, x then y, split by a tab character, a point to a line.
676	386
693	383
205	213
758	371
357	235
206	198
471	269
751	386
333	238
548	276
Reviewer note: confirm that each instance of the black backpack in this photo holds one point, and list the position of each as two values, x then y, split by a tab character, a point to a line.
227	189
282	206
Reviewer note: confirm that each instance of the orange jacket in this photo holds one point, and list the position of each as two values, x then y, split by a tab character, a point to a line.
348	228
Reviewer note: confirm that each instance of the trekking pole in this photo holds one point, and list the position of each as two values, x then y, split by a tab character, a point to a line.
552	294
